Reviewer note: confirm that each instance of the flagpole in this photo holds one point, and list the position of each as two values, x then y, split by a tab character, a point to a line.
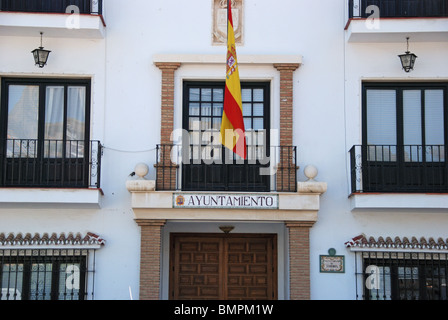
227	44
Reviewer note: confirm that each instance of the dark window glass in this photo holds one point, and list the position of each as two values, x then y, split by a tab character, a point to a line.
404	137
212	167
45	132
405	276
32	275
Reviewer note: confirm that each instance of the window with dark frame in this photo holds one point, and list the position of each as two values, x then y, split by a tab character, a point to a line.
44	274
44	141
404	275
211	166
404	137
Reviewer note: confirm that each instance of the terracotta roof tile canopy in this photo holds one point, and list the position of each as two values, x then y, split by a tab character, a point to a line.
54	239
397	243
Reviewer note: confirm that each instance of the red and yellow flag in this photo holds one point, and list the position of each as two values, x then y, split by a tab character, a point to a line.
232	126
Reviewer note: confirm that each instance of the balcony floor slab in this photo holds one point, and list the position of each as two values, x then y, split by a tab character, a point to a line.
19	24
408	201
397	29
59	197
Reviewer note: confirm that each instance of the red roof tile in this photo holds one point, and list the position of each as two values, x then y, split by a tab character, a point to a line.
363	241
19	239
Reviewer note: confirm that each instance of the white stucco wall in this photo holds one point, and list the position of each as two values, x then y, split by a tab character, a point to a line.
126	119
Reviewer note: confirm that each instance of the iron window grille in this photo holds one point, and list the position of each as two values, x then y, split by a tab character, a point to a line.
401	275
47	274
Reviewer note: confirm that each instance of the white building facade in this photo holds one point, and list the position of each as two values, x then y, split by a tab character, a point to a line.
344	195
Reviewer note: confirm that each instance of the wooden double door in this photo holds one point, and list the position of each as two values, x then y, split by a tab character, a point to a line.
223	267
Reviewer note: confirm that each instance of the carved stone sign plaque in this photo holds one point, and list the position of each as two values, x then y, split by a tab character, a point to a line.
219	30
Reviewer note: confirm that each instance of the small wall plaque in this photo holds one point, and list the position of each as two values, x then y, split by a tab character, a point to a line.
219	28
332	263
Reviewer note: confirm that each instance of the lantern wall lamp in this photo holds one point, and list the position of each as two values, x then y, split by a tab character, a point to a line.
407	59
40	54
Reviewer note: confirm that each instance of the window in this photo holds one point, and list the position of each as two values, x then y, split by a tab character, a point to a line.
210	166
404	275
45	274
404	137
45	132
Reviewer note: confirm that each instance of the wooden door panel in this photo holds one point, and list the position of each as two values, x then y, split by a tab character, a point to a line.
223	267
197	265
250	272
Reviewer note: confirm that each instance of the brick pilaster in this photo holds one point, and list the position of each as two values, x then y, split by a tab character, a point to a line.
286	172
299	260
286	102
150	255
167	106
166	171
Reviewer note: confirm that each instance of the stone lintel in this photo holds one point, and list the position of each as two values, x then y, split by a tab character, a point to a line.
292	206
278	61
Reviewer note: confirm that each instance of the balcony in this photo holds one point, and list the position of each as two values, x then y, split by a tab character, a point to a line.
394	20
190	187
391	168
205	168
51	172
51	164
56	18
399	8
399	177
45	6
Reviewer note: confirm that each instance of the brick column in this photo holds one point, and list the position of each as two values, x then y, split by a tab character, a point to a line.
286	172
167	106
150	255
286	101
166	171
299	259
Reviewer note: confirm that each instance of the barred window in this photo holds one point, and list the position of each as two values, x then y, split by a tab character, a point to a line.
48	267
402	275
45	274
400	269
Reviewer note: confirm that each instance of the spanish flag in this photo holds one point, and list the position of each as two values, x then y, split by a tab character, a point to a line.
232	125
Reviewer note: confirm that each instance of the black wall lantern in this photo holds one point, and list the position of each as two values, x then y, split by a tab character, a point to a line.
407	59
40	55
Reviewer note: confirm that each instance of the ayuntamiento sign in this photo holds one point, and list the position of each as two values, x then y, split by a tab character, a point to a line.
223	201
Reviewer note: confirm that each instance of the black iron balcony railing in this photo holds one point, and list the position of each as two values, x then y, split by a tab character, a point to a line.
214	168
392	168
53	6
398	8
50	163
